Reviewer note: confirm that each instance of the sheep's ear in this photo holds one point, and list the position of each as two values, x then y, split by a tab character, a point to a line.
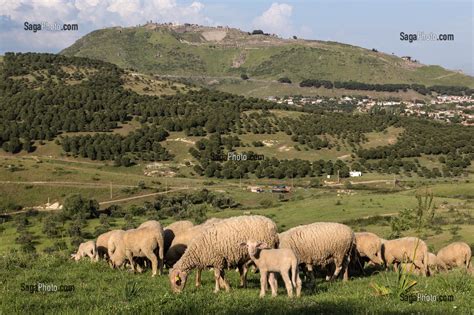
262	245
243	244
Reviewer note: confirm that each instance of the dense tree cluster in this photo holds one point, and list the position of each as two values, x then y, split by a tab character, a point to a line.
99	102
212	155
143	144
388	87
428	138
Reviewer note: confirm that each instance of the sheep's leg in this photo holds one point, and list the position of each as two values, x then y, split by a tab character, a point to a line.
243	269
130	259
287	280
330	271
224	281
337	270
198	278
217	276
154	263
395	265
309	270
272	281
298	284
346	274
263	282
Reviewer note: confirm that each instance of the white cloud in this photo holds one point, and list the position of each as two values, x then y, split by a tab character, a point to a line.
89	14
277	19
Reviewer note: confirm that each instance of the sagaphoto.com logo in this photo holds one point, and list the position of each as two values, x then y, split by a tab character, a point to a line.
424	36
49	27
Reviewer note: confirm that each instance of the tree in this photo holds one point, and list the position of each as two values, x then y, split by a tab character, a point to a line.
76	205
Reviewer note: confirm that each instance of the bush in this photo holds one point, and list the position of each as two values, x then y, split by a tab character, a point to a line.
243	76
78	205
284	80
266	203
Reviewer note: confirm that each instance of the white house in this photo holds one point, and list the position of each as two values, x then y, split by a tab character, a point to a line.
355	174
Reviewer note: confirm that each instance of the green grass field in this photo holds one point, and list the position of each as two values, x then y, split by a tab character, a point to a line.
101	290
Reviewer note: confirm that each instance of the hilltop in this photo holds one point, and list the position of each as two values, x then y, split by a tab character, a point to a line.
219	55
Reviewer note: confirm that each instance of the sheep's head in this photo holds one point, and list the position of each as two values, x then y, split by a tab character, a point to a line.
254	247
178	280
378	260
76	257
117	260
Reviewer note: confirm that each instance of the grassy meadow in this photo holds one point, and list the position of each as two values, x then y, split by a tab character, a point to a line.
101	290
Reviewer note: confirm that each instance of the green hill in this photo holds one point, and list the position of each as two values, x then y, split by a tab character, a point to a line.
198	51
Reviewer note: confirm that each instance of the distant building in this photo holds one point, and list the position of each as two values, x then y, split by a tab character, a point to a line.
256	189
281	189
355	174
407	58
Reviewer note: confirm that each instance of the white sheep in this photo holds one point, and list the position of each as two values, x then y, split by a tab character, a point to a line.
369	247
457	254
432	266
141	242
321	244
86	249
175	229
281	260
182	240
218	247
406	250
102	244
114	242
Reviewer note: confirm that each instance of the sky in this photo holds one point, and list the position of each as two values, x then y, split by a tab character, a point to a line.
366	23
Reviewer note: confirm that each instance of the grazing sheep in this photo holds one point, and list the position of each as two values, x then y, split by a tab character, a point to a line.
102	244
218	247
175	229
409	268
457	254
180	242
281	260
321	245
142	242
114	243
86	249
432	263
369	246
405	250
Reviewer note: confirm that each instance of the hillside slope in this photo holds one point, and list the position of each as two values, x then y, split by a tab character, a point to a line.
225	52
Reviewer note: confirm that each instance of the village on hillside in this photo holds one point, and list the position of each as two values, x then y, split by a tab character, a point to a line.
448	108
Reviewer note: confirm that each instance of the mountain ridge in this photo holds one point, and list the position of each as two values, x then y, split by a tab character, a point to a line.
194	50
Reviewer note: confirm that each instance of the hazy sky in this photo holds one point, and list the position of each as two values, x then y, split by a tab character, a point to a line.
367	23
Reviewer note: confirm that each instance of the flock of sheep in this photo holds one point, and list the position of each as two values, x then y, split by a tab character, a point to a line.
240	242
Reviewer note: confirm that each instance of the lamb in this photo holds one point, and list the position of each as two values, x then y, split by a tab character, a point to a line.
175	229
141	242
405	250
102	244
321	244
457	254
369	246
218	247
281	260
86	249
